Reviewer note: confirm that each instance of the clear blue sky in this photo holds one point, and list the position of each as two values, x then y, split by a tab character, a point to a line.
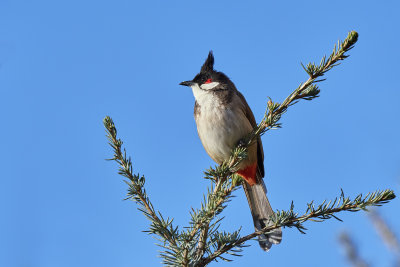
64	65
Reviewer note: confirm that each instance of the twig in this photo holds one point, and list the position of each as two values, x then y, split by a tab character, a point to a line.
351	250
201	219
307	90
136	191
322	212
388	236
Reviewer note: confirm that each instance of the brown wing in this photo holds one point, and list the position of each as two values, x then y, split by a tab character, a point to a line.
260	152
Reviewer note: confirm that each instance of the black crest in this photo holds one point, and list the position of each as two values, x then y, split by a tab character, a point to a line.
209	64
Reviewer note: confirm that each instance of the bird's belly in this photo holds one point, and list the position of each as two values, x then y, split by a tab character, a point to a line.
220	129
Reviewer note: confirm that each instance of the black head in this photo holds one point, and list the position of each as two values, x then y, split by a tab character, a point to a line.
208	75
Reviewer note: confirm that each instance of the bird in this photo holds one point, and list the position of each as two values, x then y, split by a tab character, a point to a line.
223	119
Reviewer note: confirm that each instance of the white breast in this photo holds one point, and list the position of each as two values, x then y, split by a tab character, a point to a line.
219	126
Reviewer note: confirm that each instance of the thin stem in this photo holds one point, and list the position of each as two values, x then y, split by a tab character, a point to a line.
352	251
126	170
323	212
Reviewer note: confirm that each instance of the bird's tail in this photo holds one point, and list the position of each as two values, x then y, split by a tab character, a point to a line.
261	211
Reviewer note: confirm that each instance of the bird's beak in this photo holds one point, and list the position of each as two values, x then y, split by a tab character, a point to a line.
187	83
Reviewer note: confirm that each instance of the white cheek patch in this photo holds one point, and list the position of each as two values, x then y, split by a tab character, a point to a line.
209	86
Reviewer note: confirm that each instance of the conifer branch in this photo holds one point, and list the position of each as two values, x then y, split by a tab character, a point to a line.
307	90
320	213
204	222
168	234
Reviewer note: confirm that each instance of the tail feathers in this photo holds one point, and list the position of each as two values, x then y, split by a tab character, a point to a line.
261	211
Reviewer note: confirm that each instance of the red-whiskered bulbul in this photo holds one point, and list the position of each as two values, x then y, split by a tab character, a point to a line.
223	118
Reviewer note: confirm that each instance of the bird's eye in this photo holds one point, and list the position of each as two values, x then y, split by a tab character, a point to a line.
208	81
